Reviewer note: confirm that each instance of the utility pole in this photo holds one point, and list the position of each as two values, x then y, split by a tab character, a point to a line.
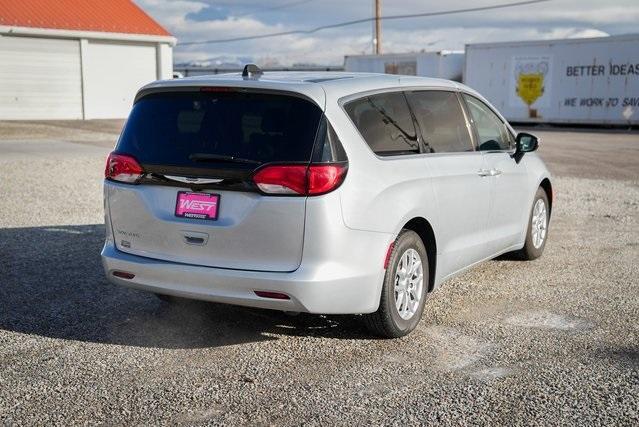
377	41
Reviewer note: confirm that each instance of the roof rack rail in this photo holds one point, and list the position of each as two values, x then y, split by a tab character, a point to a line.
252	71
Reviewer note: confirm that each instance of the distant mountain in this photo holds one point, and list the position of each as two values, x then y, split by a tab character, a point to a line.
220	62
226	63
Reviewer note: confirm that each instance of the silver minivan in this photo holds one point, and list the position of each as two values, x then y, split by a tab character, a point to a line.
318	192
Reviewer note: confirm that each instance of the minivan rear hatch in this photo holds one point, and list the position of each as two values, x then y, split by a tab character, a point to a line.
199	148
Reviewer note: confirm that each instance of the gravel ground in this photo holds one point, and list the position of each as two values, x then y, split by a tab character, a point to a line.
102	132
549	342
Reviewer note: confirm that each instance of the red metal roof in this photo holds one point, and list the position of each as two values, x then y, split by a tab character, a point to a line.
111	16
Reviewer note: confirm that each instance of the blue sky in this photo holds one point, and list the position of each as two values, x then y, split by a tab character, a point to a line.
208	19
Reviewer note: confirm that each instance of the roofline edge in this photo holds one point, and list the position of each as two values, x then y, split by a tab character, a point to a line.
7	30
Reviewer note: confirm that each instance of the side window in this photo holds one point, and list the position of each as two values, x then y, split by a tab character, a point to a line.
441	120
327	148
493	133
385	122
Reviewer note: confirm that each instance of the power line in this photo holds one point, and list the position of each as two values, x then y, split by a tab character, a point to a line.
360	21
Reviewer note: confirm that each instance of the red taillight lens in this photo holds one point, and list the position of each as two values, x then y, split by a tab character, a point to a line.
123	274
389	252
122	168
272	295
282	179
325	178
300	180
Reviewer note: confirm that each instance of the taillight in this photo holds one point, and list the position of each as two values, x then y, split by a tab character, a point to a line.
122	168
300	180
325	178
278	179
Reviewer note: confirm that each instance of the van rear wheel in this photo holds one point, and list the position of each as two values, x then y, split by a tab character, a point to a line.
404	290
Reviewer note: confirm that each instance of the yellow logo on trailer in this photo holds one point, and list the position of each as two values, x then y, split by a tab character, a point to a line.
530	87
529	78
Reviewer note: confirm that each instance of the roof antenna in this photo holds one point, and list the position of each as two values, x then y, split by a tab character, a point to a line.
251	71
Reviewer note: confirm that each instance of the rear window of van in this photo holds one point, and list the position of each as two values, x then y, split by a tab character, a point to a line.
182	128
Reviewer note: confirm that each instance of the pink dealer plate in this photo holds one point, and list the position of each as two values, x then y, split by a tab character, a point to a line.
197	205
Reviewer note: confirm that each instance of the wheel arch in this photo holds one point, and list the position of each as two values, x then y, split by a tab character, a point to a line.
547	187
425	231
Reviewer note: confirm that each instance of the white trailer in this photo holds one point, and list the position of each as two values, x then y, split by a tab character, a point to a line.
444	64
583	81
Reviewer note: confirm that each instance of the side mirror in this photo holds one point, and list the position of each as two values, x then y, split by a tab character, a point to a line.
526	142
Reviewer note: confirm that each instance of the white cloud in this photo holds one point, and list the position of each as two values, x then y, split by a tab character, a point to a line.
171	14
555	19
602	15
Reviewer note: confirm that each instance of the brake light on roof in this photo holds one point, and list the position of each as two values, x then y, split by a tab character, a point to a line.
217	89
123	168
300	180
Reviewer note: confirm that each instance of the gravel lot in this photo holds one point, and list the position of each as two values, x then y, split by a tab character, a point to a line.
549	342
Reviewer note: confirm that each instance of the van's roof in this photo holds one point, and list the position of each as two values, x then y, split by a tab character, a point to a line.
318	86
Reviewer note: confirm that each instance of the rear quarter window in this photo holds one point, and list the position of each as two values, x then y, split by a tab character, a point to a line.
385	123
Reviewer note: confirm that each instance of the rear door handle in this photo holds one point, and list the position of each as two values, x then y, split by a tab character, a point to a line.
495	172
195	238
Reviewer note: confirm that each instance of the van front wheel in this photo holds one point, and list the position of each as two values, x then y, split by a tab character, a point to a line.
537	232
404	290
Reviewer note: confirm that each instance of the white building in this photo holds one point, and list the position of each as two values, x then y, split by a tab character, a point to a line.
77	59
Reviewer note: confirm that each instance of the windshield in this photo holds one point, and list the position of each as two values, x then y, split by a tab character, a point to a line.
223	129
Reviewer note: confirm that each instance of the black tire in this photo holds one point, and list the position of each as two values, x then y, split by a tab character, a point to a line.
529	251
386	321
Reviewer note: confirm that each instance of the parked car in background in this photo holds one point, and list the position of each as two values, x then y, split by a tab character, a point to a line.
318	192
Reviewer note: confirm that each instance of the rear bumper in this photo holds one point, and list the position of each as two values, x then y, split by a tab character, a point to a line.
328	288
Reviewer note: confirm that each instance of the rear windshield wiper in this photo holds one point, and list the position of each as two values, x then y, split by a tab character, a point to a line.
206	157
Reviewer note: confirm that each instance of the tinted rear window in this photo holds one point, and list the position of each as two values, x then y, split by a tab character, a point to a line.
169	128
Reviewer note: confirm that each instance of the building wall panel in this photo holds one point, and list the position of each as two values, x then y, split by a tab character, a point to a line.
40	78
114	73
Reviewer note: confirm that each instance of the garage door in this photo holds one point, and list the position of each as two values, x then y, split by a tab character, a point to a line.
114	73
40	79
